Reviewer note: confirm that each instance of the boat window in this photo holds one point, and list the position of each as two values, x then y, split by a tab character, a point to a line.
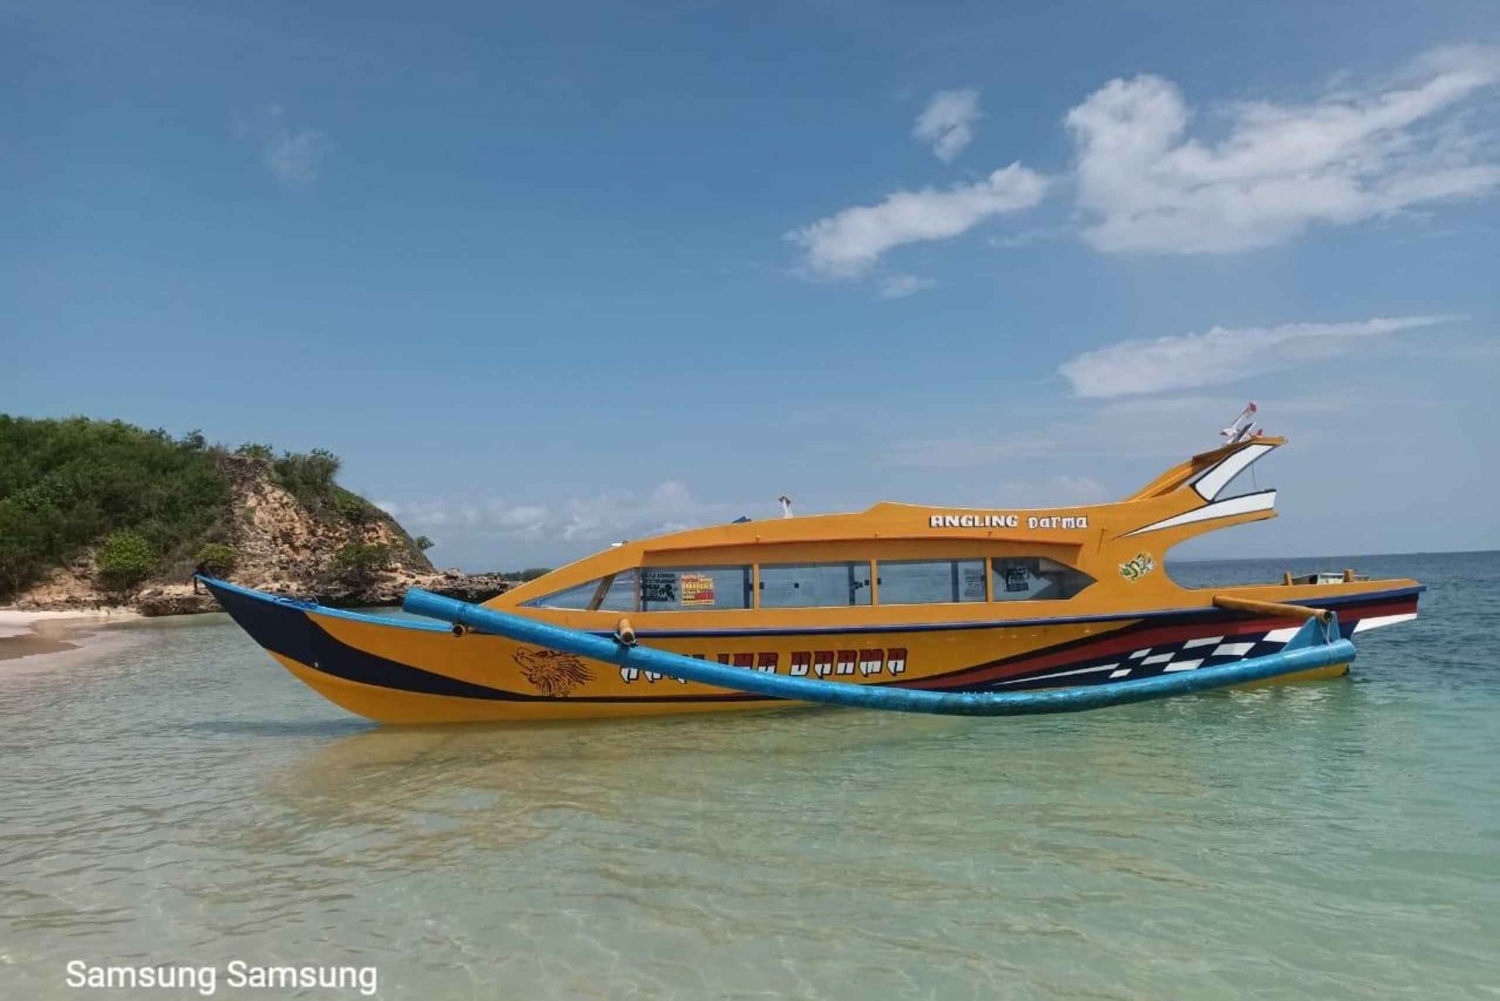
614	593
694	589
814	585
573	597
1036	579
619	593
925	582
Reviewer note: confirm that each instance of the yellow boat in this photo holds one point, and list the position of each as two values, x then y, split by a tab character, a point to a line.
945	599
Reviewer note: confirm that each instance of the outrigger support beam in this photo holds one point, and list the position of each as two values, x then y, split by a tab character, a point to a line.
1317	644
1281	608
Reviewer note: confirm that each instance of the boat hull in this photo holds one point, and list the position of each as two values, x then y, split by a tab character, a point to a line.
405	671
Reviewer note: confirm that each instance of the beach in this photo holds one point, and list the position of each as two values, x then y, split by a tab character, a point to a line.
25	633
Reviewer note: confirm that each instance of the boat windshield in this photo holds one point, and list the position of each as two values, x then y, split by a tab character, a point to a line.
614	593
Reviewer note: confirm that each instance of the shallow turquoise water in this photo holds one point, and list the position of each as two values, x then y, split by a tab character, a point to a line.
171	795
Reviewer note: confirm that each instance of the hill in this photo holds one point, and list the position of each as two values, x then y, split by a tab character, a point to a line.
103	512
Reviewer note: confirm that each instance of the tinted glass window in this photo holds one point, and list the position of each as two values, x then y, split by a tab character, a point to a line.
814	585
619	594
924	582
611	594
689	589
574	597
1036	579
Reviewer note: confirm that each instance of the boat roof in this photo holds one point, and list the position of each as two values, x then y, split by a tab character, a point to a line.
1183	501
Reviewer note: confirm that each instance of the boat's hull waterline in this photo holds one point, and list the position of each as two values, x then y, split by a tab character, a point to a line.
996	604
407	671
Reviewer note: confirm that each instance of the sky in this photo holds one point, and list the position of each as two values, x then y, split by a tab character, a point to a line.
549	276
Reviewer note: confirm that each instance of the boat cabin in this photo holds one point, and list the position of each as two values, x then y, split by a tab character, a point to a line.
833	584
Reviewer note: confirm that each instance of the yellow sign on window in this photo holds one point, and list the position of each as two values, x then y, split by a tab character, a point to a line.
697	590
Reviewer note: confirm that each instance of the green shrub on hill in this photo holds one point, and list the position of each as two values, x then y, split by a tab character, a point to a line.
359	561
256	450
308	476
217	558
125	559
352	507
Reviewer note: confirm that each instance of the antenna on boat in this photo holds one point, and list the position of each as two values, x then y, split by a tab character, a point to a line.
1242	427
786	506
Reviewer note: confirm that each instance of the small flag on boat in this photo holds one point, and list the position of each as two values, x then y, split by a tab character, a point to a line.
1240	429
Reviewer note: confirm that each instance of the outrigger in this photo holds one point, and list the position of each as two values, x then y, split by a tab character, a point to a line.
901	606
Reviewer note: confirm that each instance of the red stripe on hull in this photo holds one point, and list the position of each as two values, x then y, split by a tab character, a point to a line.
1113	644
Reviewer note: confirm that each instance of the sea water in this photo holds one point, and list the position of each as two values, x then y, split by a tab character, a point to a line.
170	797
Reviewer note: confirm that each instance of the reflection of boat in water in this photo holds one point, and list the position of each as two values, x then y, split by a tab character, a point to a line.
938	599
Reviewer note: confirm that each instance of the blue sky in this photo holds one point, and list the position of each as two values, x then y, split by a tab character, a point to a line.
552	276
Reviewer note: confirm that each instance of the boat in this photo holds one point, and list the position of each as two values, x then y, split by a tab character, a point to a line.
972	606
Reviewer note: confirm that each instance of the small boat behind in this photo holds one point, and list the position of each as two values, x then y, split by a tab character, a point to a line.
978	604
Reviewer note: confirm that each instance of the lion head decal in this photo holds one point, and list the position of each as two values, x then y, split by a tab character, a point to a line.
552	671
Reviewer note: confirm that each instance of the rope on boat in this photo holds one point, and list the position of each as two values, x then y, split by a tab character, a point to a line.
1317	644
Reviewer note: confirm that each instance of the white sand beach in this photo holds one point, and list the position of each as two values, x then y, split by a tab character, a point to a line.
25	632
18	622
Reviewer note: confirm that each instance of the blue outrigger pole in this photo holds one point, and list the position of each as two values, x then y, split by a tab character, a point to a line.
1317	644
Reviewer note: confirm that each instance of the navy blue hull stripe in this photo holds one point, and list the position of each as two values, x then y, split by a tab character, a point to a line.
284	628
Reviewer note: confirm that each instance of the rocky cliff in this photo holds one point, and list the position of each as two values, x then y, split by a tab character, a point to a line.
345	553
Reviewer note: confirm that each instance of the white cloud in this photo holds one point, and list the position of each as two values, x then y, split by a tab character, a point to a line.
1221	355
948	122
901	286
1348	157
294	156
848	245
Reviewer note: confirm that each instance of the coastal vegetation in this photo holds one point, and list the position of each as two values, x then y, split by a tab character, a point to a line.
151	505
67	484
124	559
218	558
358	561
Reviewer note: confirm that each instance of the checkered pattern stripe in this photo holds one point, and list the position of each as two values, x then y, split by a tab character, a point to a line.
1160	658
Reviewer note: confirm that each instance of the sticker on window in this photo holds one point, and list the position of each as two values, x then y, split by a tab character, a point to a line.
697	590
659	586
1017	579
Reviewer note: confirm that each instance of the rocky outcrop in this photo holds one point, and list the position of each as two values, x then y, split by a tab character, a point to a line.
283	548
386	589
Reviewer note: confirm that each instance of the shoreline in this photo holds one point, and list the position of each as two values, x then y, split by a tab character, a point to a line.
83	601
15	622
27	633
